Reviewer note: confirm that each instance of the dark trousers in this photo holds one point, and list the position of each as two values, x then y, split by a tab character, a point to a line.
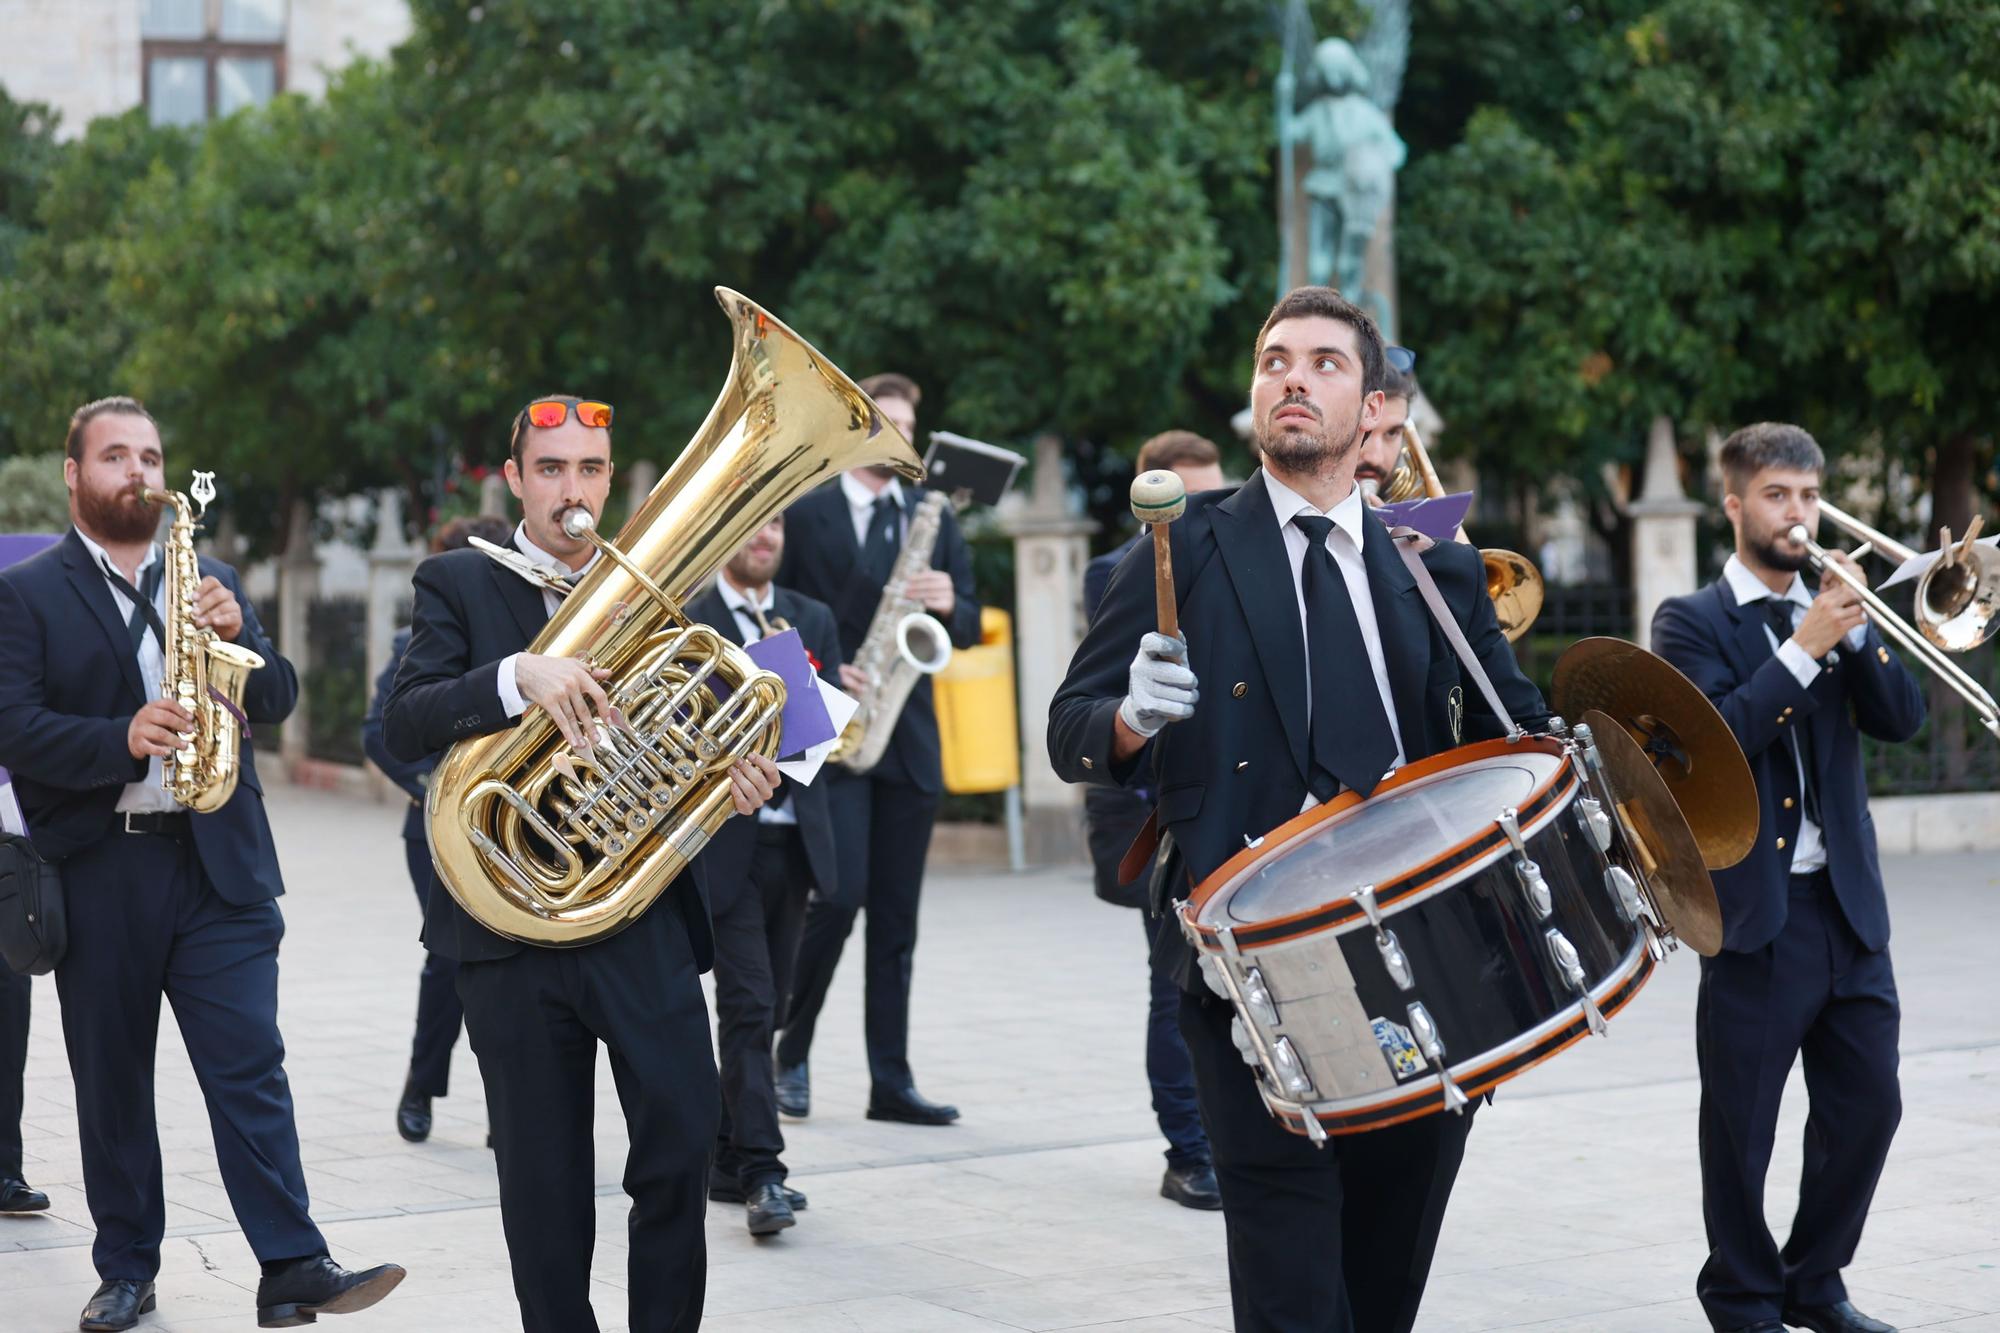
884	836
16	991
439	1012
1167	1066
1367	1207
1814	991
145	921
535	1020
757	927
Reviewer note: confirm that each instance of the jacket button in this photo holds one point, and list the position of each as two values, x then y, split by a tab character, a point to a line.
1883	653
1242	765
1242	688
1781	844
1788	710
1088	762
1788	803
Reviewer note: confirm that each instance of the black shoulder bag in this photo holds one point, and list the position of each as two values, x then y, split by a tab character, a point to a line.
33	928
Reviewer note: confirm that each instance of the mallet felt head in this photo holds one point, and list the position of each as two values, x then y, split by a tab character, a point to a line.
1158	496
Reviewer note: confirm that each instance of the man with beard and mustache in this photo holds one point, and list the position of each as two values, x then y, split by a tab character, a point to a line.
1380	446
161	901
1323	670
1804	969
760	874
537	1014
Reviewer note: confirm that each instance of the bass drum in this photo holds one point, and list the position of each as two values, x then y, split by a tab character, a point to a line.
1393	957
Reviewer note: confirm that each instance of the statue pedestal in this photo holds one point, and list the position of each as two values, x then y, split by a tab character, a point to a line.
298	585
1663	532
1051	547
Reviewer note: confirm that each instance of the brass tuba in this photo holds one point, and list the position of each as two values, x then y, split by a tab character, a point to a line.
202	672
551	846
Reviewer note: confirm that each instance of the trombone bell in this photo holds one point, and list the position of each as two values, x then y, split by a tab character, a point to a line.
1515	587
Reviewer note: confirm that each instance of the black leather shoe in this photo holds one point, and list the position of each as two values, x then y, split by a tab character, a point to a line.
794	1088
117	1304
1840	1317
306	1288
909	1106
16	1197
766	1212
728	1191
1192	1187
413	1116
1767	1326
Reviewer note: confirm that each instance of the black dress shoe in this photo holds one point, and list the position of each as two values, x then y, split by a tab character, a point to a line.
766	1212
794	1089
413	1116
299	1291
1767	1326
117	1304
909	1106
1840	1317
16	1197
1192	1187
728	1191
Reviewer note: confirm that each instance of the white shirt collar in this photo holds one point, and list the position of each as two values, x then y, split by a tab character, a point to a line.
1749	588
859	497
541	557
1287	503
103	557
736	601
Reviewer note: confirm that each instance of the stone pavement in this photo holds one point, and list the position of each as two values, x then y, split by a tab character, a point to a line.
1578	1208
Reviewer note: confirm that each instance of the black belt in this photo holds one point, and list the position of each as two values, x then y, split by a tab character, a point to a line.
159	823
1811	882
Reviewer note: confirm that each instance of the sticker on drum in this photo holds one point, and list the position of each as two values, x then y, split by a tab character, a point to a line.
1399	1048
1383	838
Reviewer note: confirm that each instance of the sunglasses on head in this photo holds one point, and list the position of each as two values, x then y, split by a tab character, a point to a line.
1402	358
550	413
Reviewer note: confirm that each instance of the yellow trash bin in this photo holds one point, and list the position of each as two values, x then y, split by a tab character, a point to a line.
977	728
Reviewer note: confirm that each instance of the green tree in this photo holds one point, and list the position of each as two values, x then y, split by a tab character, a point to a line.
33	497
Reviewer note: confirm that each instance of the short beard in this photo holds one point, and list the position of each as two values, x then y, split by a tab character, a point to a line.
751	571
1306	452
1769	554
116	516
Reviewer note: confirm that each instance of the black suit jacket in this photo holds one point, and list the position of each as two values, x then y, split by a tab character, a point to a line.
726	859
69	685
1238	767
1723	648
468	614
1097	574
820	559
409	776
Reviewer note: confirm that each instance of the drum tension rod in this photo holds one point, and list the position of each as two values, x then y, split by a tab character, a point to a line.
1393	958
1526	869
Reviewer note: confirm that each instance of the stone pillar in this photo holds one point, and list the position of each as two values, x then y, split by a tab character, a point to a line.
1051	547
391	561
493	494
1663	531
640	478
298	584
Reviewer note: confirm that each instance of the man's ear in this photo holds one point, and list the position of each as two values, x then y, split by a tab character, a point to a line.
512	472
1732	508
70	471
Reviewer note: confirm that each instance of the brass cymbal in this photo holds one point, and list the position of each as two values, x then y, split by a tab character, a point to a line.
1670	863
1678	729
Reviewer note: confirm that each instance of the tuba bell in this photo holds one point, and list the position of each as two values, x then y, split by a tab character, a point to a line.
553	846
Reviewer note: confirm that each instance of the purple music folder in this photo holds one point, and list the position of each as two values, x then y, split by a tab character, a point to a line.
1437	519
804	722
18	546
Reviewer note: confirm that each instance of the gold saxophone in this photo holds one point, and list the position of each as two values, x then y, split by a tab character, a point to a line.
903	644
203	672
553	846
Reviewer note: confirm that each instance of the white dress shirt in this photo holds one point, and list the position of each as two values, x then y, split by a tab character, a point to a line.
510	692
1809	849
150	794
861	507
739	605
1343	542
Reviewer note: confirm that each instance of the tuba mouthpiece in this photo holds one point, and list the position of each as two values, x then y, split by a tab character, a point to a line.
578	521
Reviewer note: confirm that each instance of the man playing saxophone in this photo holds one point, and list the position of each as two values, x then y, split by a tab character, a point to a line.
843	544
161	899
537	1014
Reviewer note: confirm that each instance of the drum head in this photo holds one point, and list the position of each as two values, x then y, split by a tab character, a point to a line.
1381	838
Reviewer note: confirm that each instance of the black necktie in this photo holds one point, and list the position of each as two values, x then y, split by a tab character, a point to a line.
143	615
1778	610
878	554
1352	745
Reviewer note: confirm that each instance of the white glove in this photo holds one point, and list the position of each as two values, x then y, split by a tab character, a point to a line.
1160	689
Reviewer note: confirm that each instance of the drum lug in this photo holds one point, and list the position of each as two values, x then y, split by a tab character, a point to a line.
1290	1072
1525	867
1625	890
1571	967
1211	972
1590	814
1432	1045
1239	1037
1257	999
1395	960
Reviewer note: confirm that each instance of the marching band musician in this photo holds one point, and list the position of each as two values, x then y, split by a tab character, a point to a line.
1379	447
1112	817
842	543
760	875
160	900
1352	668
536	1014
16	997
1804	969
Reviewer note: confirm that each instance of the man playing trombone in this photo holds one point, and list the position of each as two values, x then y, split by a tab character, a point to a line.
1804	968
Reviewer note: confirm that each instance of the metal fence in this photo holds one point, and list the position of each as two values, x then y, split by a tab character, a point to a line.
1570	612
1952	752
335	677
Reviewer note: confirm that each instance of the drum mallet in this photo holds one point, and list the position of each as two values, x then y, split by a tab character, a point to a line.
1158	498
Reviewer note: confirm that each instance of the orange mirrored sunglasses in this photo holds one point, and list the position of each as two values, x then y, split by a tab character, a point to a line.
549	414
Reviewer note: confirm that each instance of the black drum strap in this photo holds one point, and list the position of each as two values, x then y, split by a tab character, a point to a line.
1410	544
